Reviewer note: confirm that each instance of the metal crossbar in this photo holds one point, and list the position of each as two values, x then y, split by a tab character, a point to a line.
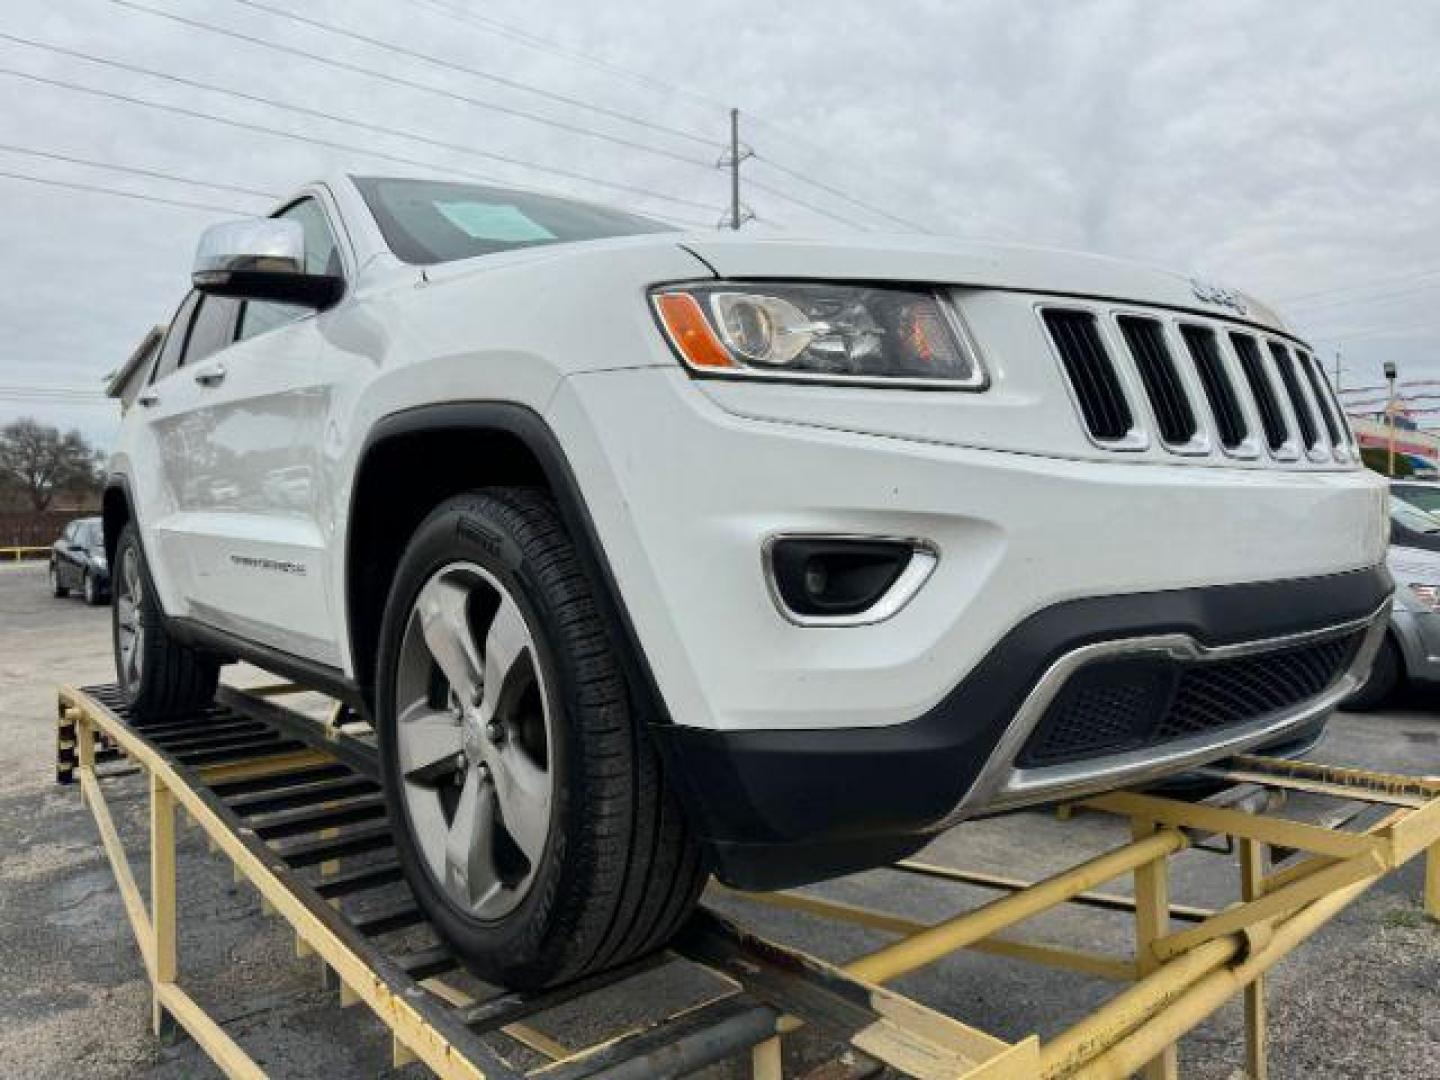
294	805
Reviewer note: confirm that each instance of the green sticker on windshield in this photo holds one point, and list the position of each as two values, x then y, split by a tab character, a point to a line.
492	221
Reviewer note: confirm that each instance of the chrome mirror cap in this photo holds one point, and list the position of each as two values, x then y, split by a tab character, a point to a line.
261	259
267	245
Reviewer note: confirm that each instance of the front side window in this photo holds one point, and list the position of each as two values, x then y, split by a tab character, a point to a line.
213	328
174	346
322	256
429	221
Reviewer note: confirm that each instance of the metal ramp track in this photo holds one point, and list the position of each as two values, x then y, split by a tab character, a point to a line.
295	805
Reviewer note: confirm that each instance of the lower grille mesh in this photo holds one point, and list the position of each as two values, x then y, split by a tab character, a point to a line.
1113	706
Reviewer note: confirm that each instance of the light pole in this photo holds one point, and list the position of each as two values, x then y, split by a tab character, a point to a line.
1390	415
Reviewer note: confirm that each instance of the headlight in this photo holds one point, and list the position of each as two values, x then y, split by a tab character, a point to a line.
1427	596
869	334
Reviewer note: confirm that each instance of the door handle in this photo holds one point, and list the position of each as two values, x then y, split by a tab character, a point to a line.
210	375
148	399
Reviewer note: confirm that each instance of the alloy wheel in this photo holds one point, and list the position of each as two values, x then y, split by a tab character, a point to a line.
474	732
129	593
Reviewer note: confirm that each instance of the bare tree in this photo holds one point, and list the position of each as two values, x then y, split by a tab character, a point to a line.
37	461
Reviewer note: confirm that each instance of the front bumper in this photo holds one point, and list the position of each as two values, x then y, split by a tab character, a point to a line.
784	807
782	732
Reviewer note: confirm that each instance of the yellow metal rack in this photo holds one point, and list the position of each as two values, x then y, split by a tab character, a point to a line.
293	804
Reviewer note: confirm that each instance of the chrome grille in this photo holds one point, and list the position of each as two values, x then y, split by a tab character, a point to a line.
1173	414
1262	391
1219	390
1196	385
1299	402
1092	374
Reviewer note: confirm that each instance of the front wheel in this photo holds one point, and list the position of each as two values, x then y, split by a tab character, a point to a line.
534	825
158	675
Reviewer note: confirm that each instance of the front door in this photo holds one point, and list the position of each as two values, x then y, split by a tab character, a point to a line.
237	430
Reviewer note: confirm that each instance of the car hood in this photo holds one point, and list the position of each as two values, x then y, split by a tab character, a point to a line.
963	263
1411	561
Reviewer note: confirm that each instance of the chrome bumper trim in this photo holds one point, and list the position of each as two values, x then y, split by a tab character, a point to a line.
1003	785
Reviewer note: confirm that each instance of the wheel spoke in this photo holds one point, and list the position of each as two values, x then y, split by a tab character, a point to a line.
470	874
523	790
429	742
441	609
132	576
506	642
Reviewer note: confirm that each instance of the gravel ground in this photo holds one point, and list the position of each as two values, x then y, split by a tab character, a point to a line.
1360	1000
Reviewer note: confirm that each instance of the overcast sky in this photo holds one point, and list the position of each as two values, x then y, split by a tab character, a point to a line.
1289	149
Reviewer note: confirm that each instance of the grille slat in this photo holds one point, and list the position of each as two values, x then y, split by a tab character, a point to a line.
1285	364
1092	373
1146	340
1320	387
1219	391
1113	706
1253	365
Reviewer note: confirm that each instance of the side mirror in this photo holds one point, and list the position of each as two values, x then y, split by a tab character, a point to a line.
261	259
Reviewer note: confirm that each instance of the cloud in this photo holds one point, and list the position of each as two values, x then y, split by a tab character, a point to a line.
1286	149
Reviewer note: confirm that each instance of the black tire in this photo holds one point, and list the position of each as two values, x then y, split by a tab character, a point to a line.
56	589
172	679
620	868
1386	675
91	591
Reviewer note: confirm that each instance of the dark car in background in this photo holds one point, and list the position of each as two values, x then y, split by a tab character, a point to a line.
77	561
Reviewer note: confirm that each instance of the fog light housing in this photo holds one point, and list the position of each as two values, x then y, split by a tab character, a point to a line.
845	580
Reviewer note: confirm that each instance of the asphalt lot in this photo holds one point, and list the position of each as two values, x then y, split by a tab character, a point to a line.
1361	1000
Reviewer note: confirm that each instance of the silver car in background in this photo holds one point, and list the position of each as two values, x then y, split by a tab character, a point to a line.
1410	653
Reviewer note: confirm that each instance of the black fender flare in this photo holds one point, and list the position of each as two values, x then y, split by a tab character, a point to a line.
528	427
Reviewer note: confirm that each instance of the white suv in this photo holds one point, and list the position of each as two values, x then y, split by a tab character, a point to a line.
651	553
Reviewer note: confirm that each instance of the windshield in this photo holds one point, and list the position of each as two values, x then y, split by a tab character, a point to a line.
428	221
1425	498
90	535
1407	517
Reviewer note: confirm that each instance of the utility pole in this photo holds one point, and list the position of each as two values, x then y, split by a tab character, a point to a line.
1337	371
731	160
1390	415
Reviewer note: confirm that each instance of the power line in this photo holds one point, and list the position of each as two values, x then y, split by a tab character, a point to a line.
822	186
546	45
779	194
76	185
543	44
247	126
244	125
1371	286
1305	310
1419	329
397	80
135	170
365	125
51	391
499	80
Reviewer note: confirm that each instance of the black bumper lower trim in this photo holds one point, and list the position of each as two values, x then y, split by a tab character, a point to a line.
783	807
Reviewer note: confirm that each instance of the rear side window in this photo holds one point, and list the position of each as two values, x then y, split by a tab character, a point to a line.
174	346
212	329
